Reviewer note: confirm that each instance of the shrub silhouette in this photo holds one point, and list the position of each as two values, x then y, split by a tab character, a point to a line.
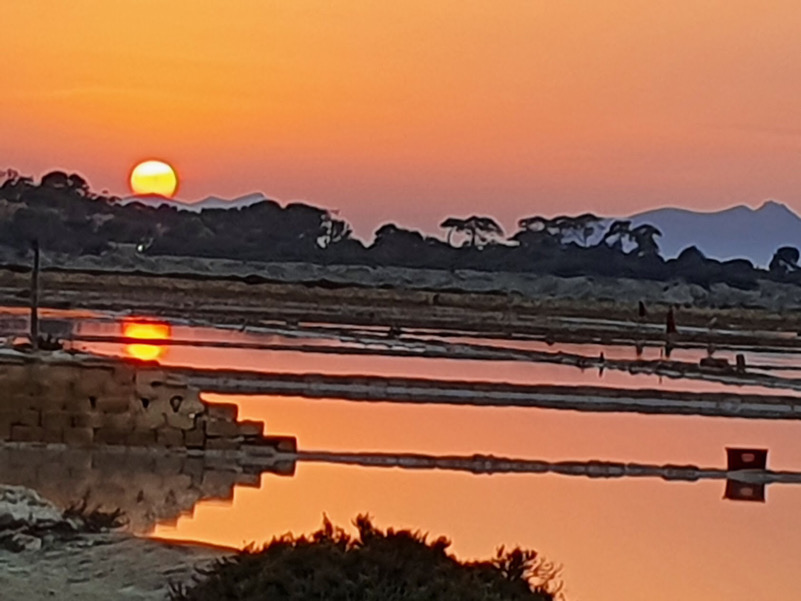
372	566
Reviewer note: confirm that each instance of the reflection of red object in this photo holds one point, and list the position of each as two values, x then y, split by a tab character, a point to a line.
146	331
743	491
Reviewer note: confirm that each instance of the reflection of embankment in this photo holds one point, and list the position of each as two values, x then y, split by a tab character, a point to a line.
741	485
150	487
490	464
418	390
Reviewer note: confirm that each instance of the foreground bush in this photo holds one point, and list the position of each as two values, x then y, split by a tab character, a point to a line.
374	565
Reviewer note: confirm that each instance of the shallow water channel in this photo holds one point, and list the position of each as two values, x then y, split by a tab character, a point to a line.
616	538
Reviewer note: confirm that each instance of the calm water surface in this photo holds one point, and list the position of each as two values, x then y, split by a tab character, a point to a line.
617	539
515	372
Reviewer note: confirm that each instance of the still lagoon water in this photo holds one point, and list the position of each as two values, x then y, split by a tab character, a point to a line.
616	539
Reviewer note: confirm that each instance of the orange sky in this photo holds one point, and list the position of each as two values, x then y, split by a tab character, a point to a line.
417	109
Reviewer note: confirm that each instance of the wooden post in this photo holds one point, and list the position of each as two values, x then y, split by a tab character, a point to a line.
34	334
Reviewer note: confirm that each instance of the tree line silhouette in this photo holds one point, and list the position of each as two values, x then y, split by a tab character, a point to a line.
66	216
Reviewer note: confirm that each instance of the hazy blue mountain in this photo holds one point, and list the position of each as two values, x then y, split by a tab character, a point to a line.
211	202
738	232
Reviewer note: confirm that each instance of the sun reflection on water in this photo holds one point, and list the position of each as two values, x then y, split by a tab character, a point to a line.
147	331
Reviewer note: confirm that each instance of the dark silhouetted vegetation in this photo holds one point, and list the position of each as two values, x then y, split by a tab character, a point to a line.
95	519
330	565
69	218
784	262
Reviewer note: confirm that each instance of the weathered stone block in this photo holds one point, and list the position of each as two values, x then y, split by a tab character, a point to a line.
218	484
78	437
219	427
78	404
141	438
284	468
15	375
170	437
56	420
249	480
26	417
109	436
150	421
170	465
53	435
259	450
76	460
5	430
176	380
89	419
12	402
178	400
194	468
26	433
148	381
112	404
53	397
251	428
222	411
36	402
194	439
118	422
92	381
224	444
56	376
282	444
124	375
179	421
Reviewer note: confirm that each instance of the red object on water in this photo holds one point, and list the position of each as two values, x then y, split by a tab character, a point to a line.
746	459
744	491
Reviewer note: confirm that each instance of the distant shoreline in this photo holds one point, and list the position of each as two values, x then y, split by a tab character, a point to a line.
230	292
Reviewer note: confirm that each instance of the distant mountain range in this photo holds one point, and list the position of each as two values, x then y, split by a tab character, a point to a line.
736	233
211	202
739	232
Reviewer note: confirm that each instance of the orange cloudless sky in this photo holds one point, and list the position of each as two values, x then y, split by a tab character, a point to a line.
411	111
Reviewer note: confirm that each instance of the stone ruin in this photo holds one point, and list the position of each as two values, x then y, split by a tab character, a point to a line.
125	435
85	401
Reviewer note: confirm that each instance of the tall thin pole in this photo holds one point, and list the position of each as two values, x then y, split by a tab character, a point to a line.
35	297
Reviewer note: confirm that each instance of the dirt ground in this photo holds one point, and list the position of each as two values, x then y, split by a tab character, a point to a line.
566	310
103	567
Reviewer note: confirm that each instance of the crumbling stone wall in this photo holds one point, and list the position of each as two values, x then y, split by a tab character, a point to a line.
86	402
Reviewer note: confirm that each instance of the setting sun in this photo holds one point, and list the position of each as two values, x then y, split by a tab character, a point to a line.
154	177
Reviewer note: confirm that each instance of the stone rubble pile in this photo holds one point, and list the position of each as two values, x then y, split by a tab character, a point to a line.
27	521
